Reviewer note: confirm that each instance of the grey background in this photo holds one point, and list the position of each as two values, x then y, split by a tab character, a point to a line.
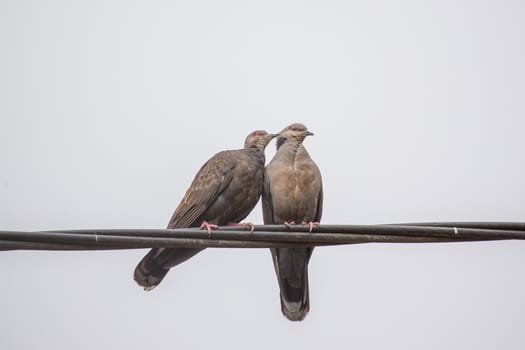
108	109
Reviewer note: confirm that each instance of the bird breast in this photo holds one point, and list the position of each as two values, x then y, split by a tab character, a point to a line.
291	187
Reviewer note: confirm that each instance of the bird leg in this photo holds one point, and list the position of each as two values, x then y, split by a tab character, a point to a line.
311	224
243	224
208	227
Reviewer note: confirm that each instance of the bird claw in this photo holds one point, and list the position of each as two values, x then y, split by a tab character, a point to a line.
311	225
208	227
243	224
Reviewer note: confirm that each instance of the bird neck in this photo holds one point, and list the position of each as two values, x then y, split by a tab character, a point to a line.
281	141
289	149
256	151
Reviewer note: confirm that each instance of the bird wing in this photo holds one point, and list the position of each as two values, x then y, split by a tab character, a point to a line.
211	180
267	200
319	211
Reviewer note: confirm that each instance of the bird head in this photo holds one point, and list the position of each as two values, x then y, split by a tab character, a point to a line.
258	139
296	132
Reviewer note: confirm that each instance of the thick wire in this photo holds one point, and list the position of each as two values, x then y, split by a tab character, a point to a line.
263	236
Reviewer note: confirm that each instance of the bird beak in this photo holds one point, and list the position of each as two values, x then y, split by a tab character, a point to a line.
272	135
309	133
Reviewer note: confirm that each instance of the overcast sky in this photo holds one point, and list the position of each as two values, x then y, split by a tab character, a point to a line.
109	108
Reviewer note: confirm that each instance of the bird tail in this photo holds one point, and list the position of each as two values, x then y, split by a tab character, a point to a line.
155	265
291	267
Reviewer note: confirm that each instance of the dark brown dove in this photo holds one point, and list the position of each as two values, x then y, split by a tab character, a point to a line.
292	192
224	191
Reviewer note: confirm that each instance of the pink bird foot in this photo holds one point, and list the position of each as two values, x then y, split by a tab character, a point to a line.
208	227
311	224
288	223
243	224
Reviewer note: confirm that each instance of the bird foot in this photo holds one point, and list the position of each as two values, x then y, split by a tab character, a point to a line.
289	223
208	227
243	224
311	224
